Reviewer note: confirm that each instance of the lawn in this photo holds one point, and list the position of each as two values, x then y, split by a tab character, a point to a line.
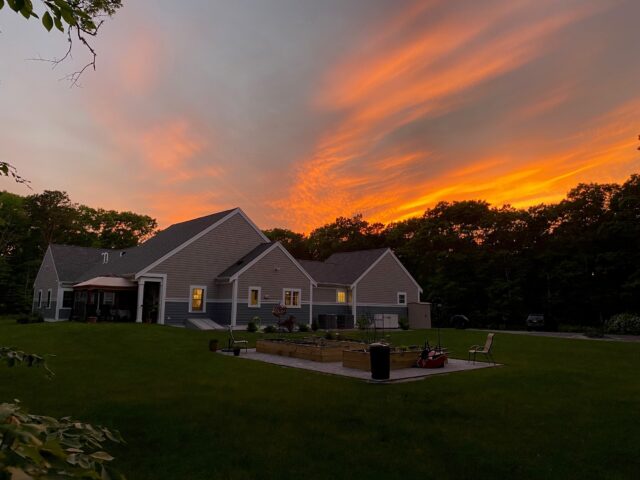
557	409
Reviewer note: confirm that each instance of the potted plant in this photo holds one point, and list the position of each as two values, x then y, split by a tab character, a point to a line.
236	351
213	345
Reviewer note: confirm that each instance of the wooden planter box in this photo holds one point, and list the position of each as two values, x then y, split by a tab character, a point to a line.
329	352
359	359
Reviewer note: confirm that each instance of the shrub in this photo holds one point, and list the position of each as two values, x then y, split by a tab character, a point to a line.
303	327
314	325
403	323
252	326
362	322
625	323
270	329
30	318
328	336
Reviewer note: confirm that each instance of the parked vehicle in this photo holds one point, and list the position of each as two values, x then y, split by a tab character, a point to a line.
459	321
535	321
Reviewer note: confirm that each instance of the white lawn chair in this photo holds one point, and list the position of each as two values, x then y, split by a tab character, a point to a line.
484	350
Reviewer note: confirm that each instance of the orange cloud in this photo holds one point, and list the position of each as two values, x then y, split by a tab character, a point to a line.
421	76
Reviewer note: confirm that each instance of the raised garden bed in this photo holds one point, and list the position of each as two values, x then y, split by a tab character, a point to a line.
359	359
325	351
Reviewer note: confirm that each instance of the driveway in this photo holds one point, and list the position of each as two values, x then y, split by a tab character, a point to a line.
575	336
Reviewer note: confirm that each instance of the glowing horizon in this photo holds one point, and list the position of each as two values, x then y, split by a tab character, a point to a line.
302	113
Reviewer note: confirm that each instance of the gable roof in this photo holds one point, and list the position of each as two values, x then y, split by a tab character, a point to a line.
132	260
246	260
235	270
343	268
71	261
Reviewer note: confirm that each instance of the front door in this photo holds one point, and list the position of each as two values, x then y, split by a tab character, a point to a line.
151	302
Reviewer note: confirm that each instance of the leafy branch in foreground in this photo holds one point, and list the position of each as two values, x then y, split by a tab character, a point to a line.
13	357
79	19
36	447
8	170
40	447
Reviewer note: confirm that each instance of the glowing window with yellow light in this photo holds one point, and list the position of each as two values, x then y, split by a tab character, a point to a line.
341	296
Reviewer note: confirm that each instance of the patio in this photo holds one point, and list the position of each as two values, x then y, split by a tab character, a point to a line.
336	368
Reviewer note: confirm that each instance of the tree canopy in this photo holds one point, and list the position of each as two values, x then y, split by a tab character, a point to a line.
29	224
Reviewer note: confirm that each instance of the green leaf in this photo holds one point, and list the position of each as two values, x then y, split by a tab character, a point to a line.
1	4
58	23
67	15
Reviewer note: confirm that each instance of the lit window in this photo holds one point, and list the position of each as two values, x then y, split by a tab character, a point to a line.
402	298
197	299
291	297
341	296
254	297
49	298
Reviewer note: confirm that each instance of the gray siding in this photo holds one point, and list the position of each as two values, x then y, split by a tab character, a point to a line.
202	261
272	273
328	294
177	312
245	314
47	278
382	284
330	310
223	291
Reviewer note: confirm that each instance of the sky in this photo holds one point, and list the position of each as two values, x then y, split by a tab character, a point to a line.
300	111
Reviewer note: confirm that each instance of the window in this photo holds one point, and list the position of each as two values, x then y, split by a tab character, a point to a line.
198	295
108	298
39	298
402	298
49	298
254	297
341	295
291	297
67	299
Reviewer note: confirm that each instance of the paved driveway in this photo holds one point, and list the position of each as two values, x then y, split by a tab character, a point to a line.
575	336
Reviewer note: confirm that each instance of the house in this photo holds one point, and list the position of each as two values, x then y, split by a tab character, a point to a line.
219	270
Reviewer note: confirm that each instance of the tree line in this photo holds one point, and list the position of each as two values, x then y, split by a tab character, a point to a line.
29	224
577	261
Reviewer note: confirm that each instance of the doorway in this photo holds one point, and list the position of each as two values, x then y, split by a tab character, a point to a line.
151	302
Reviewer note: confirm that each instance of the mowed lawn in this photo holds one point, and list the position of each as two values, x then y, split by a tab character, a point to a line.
557	409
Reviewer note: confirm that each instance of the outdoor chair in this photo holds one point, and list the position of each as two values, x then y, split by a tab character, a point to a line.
485	350
236	343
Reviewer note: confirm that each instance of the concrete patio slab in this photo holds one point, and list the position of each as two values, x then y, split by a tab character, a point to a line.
336	368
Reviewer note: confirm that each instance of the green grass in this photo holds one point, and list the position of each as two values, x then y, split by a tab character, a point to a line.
557	409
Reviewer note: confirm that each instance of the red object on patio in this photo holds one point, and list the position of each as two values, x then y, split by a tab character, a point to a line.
435	361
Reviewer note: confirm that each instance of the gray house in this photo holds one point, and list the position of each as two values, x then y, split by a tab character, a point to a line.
219	270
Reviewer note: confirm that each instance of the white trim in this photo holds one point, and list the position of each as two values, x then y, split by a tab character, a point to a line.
378	261
255	227
49	292
310	304
234	303
140	299
405	298
162	278
354	306
382	255
188	242
236	275
285	289
259	289
204	298
39	297
186	300
393	255
60	301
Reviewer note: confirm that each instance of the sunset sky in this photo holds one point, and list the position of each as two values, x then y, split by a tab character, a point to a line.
303	110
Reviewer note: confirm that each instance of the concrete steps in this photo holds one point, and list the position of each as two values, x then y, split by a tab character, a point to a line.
203	324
